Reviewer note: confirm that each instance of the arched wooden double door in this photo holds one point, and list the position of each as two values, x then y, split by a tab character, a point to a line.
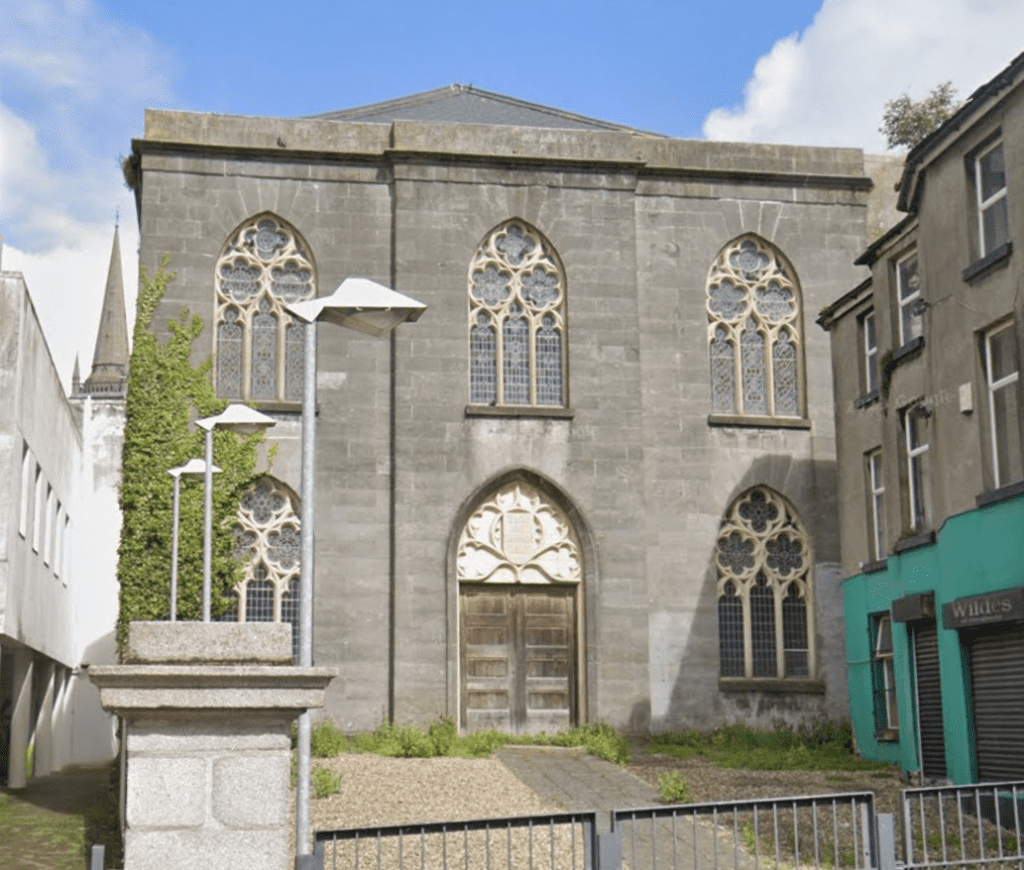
519	573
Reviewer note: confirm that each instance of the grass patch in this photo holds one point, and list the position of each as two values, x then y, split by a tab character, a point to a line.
441	739
820	745
674	788
53	824
324	782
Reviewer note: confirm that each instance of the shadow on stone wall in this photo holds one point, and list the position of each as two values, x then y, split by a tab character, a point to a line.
689	695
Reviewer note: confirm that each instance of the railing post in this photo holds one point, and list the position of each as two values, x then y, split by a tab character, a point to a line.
608	848
908	835
886	842
868	835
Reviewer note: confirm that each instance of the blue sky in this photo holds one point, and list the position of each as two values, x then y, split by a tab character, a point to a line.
75	76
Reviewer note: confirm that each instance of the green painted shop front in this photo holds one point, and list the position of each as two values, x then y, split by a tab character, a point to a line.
940	597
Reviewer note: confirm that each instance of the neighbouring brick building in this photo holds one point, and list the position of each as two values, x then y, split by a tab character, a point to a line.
597	479
927	361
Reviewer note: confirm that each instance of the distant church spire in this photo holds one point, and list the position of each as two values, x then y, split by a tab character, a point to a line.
109	376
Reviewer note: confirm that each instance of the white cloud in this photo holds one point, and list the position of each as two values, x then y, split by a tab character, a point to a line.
74	84
828	85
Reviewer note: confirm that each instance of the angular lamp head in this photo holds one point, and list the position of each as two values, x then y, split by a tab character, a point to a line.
193	466
361	304
239	418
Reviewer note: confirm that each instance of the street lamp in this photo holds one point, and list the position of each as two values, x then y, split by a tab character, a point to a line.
193	466
367	307
245	421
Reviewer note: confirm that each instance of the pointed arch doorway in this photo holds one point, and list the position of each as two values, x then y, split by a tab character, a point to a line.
519	578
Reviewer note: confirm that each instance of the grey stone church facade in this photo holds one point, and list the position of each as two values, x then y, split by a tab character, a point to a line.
597	479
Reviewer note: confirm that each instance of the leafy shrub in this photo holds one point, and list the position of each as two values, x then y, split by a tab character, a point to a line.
326	741
674	788
324	782
442	736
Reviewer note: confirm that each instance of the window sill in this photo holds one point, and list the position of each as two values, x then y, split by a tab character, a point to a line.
887	735
758	422
550	412
874	566
906	350
278	407
786	685
867	399
988	263
912	542
994	496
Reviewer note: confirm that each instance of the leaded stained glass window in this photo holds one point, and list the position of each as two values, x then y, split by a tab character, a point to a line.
259	354
754	332
268	540
517	338
764	589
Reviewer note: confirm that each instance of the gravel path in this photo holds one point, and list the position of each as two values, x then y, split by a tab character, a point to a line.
388	791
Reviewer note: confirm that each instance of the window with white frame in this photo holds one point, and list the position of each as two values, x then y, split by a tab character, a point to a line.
26	490
517	321
264	266
886	712
990	190
915	443
37	518
269	542
58	540
908	287
754	334
1001	376
869	352
764	592
876	504
48	528
66	536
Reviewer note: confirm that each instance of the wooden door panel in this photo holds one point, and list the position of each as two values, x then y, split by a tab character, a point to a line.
518	658
487	650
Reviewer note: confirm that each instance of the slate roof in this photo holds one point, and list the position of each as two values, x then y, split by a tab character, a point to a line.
464	104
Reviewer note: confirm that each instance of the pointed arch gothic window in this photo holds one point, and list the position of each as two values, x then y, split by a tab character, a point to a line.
517	326
268	541
764	593
264	266
754	332
518	536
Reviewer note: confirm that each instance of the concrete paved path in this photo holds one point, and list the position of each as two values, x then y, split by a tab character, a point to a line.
577	781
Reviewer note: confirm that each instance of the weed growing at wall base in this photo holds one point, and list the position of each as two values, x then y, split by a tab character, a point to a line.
442	739
820	745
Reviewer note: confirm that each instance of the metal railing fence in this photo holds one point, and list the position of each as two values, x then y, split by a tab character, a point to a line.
963	826
822	831
559	841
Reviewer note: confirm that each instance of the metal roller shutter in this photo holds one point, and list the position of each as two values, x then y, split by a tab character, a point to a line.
929	700
996	661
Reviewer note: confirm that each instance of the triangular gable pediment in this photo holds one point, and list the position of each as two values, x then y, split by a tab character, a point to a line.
464	104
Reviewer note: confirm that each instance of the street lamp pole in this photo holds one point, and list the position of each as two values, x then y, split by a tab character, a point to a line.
193	466
245	421
371	308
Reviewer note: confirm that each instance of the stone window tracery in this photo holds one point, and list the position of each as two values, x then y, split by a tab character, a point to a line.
518	536
259	347
754	333
764	594
517	330
268	540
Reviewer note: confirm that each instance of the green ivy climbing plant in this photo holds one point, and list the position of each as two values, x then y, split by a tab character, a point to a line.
165	394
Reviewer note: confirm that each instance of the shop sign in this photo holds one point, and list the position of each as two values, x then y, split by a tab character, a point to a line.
914	607
1004	606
